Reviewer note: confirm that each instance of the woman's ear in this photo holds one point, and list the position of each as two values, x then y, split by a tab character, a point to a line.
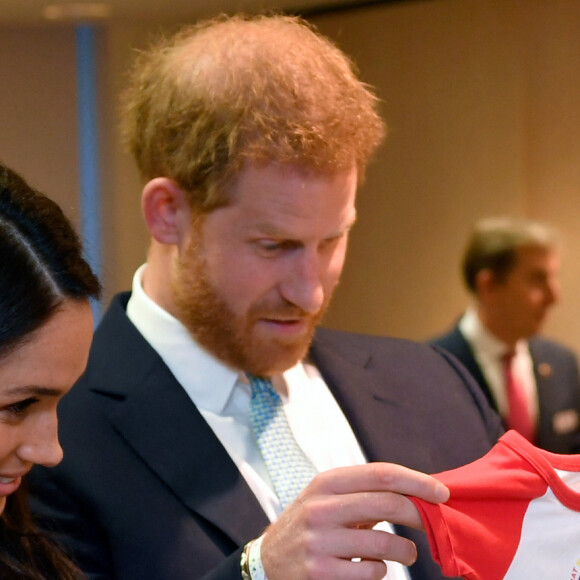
164	208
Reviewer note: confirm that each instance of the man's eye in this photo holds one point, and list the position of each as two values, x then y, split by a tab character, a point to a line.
273	247
538	279
331	242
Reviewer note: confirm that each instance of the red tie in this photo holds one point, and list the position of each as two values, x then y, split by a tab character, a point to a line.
518	416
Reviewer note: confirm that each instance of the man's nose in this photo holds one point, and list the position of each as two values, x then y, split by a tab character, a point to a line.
303	285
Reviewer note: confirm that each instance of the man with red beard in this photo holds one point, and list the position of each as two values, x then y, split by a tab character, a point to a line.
251	135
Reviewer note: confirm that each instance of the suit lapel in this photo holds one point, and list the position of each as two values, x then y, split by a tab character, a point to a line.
544	374
158	420
465	354
377	413
167	431
379	416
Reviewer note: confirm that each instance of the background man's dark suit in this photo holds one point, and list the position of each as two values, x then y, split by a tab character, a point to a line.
147	492
557	380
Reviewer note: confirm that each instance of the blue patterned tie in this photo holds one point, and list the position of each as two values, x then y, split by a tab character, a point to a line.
290	470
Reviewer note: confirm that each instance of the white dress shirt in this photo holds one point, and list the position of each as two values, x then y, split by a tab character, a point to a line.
222	396
488	351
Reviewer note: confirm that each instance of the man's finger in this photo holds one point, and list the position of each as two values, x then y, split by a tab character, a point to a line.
381	477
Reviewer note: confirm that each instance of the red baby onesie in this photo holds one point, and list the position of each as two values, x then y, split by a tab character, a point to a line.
514	514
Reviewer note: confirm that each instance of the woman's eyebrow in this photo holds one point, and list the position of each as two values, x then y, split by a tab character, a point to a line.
32	390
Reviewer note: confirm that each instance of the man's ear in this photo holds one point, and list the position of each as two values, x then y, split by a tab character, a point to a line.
165	210
484	282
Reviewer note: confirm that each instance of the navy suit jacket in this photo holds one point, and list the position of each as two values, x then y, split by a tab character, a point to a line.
558	384
147	492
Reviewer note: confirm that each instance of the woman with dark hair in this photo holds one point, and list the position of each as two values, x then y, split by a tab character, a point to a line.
45	335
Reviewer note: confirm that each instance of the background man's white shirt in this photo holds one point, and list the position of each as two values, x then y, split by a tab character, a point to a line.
488	351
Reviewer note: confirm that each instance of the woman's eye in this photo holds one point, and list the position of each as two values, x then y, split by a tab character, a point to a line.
19	407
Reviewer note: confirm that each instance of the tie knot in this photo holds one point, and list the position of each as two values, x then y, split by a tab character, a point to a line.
261	386
508	356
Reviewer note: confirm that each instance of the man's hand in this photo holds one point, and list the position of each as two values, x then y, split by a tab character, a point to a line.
331	522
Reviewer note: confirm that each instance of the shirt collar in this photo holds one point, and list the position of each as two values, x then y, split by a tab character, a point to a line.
207	381
482	339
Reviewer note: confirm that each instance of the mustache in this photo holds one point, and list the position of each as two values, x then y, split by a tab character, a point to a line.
285	310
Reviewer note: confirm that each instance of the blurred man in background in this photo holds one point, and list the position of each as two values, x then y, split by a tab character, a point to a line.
511	267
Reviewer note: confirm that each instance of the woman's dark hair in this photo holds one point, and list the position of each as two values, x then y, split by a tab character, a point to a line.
41	260
41	267
25	552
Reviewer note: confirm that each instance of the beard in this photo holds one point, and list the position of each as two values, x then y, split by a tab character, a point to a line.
234	338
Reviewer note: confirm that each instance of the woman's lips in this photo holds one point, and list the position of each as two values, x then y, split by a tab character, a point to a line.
9	485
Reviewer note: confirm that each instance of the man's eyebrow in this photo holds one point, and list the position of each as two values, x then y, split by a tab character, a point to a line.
277	231
268	229
31	391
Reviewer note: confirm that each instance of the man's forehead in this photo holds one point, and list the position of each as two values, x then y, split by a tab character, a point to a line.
532	253
536	258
